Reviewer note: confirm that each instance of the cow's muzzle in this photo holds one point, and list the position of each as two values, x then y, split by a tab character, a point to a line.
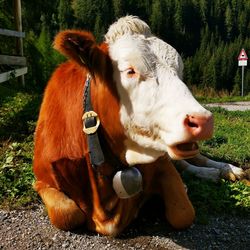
197	127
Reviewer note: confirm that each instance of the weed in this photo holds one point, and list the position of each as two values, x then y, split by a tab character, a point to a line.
18	114
211	198
16	175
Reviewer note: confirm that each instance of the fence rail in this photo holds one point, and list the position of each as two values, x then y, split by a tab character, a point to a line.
12	60
14	33
18	62
12	74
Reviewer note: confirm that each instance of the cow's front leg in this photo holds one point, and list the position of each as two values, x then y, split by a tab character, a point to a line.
205	173
178	208
226	170
62	211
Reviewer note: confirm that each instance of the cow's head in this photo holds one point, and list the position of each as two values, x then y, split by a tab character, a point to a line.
157	111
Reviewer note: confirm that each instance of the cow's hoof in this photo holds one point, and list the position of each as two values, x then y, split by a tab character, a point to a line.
232	173
127	183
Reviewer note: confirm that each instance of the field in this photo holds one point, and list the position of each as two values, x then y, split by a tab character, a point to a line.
231	143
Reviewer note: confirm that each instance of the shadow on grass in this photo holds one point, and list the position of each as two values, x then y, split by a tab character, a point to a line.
5	93
18	124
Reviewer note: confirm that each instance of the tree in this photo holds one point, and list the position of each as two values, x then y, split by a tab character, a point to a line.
198	29
156	18
119	8
178	17
229	22
48	58
65	14
93	15
204	10
209	78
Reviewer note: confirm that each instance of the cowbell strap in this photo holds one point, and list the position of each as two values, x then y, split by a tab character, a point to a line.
91	123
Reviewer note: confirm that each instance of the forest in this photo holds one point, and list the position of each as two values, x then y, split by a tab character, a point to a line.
209	34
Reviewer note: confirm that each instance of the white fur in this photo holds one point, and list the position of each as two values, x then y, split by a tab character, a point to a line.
167	53
154	101
126	25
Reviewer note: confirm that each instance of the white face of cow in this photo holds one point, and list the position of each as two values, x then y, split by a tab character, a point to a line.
158	112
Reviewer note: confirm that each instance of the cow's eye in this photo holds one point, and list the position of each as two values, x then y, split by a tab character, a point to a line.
131	72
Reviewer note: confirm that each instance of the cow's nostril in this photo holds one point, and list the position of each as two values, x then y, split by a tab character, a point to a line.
199	126
192	124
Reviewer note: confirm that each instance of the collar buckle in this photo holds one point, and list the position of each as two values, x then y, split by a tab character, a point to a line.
91	122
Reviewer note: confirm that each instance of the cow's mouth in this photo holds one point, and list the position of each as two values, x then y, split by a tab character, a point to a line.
183	150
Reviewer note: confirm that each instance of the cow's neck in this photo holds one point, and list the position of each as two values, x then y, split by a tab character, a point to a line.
103	143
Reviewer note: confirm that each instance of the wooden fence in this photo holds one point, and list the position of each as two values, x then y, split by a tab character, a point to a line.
18	61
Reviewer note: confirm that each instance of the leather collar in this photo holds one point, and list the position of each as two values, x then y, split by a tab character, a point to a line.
91	123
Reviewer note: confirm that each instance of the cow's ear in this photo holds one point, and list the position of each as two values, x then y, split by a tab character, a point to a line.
76	45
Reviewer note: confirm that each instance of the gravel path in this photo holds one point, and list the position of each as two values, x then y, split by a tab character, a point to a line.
30	229
231	106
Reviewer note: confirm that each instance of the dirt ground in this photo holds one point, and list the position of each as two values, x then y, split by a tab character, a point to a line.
31	229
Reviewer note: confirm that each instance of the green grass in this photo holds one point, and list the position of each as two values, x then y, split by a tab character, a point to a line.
231	139
18	115
230	143
209	95
225	197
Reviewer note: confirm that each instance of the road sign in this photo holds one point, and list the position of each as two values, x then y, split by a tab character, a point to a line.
242	58
242	55
242	61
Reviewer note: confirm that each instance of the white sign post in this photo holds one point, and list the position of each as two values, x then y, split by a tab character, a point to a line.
242	61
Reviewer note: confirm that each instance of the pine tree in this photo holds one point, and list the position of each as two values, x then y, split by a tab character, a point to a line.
65	14
93	15
85	12
178	17
229	22
204	10
156	18
118	6
198	29
209	78
237	82
44	46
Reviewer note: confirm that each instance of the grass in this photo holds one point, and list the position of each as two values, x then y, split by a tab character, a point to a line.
18	115
231	140
209	95
230	143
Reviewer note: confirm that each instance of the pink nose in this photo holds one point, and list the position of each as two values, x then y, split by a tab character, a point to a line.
199	127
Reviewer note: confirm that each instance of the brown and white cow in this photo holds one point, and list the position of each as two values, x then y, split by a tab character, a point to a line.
147	117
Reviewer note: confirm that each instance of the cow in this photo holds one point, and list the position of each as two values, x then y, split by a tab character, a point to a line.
113	119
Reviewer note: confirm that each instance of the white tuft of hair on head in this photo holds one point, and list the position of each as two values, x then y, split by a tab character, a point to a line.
167	54
127	25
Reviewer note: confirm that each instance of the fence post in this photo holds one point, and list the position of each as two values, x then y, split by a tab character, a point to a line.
18	22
